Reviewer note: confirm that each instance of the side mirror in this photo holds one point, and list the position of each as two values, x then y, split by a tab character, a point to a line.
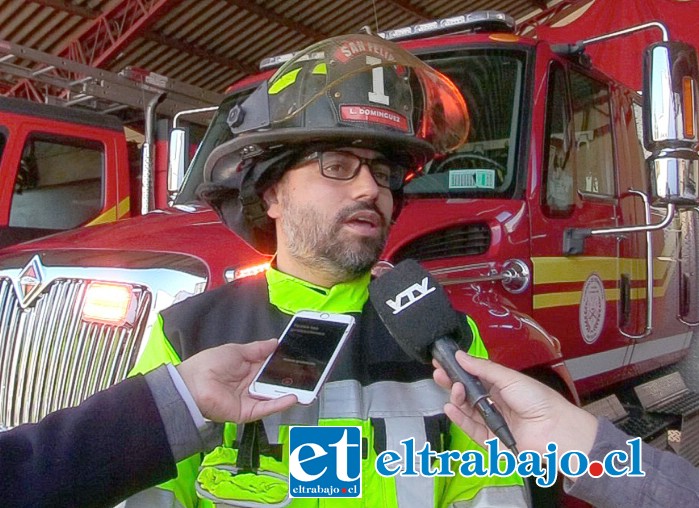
177	165
671	122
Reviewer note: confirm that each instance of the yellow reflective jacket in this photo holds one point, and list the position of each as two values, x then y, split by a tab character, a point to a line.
374	386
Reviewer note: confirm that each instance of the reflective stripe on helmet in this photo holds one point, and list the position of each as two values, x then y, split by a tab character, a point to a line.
284	81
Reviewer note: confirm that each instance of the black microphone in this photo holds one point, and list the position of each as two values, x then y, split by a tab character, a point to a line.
416	311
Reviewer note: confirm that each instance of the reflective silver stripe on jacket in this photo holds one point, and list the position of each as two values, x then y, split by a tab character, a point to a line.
296	415
411	491
348	399
402	406
495	497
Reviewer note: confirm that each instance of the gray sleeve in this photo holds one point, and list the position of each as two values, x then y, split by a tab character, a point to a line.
182	433
670	479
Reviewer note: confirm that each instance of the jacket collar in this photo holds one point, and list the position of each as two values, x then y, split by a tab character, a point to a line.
291	295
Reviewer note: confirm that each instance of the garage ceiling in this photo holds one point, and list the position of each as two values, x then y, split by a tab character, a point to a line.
207	43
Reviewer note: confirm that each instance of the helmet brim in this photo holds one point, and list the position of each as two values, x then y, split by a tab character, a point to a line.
223	160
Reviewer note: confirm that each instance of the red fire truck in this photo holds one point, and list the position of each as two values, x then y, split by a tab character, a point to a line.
573	248
65	161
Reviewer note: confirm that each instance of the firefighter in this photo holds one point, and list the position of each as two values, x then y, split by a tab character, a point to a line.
313	174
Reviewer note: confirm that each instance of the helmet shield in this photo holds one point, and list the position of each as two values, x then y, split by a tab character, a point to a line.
365	82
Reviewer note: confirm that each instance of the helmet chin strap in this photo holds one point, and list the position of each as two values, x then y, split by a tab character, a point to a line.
258	176
253	207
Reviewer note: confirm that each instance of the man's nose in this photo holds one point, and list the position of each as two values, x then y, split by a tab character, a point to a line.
364	183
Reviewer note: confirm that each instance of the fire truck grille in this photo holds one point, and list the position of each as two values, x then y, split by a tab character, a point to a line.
464	240
51	359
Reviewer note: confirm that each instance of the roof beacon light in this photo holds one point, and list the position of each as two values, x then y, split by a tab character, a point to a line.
479	21
110	304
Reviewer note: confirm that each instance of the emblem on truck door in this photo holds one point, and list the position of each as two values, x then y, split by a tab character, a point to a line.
593	306
30	282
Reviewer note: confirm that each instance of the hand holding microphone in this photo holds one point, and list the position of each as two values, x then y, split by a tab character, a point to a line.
417	312
535	413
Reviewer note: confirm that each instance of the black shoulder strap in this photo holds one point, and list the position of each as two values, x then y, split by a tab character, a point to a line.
238	312
252	442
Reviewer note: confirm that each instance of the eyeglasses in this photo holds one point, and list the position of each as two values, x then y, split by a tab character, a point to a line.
341	165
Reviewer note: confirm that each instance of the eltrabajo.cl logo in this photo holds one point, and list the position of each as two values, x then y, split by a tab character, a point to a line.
325	462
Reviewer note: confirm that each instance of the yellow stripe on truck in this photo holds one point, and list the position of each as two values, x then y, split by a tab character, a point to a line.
116	212
563	299
124	207
563	270
108	216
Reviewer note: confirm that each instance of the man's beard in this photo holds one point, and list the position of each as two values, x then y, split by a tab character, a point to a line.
323	245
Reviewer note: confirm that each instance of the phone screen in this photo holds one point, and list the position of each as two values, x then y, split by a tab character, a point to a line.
303	353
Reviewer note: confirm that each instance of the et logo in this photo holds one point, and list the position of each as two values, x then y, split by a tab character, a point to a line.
325	462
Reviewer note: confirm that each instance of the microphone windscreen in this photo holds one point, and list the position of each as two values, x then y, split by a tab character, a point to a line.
414	308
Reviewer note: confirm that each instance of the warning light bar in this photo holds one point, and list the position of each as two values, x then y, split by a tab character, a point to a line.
479	21
277	61
484	21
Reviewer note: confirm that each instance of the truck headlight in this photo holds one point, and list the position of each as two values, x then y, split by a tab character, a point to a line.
111	304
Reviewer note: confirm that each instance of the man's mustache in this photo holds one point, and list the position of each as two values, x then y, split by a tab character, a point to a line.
348	211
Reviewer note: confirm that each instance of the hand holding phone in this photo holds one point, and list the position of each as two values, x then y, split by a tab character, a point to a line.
304	356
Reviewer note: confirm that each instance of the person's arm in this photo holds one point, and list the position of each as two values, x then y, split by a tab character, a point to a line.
116	442
211	385
670	479
112	445
538	415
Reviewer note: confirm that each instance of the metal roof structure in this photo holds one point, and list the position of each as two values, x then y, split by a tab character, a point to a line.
209	43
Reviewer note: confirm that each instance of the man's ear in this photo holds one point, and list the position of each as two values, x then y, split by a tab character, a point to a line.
271	200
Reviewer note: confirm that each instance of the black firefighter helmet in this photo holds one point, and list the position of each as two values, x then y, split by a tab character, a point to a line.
349	91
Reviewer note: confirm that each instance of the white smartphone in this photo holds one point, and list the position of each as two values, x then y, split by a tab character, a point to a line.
304	357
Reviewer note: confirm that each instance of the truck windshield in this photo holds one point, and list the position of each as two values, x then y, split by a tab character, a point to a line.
491	80
217	133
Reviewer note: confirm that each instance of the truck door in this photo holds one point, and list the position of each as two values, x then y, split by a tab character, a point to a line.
576	296
51	182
